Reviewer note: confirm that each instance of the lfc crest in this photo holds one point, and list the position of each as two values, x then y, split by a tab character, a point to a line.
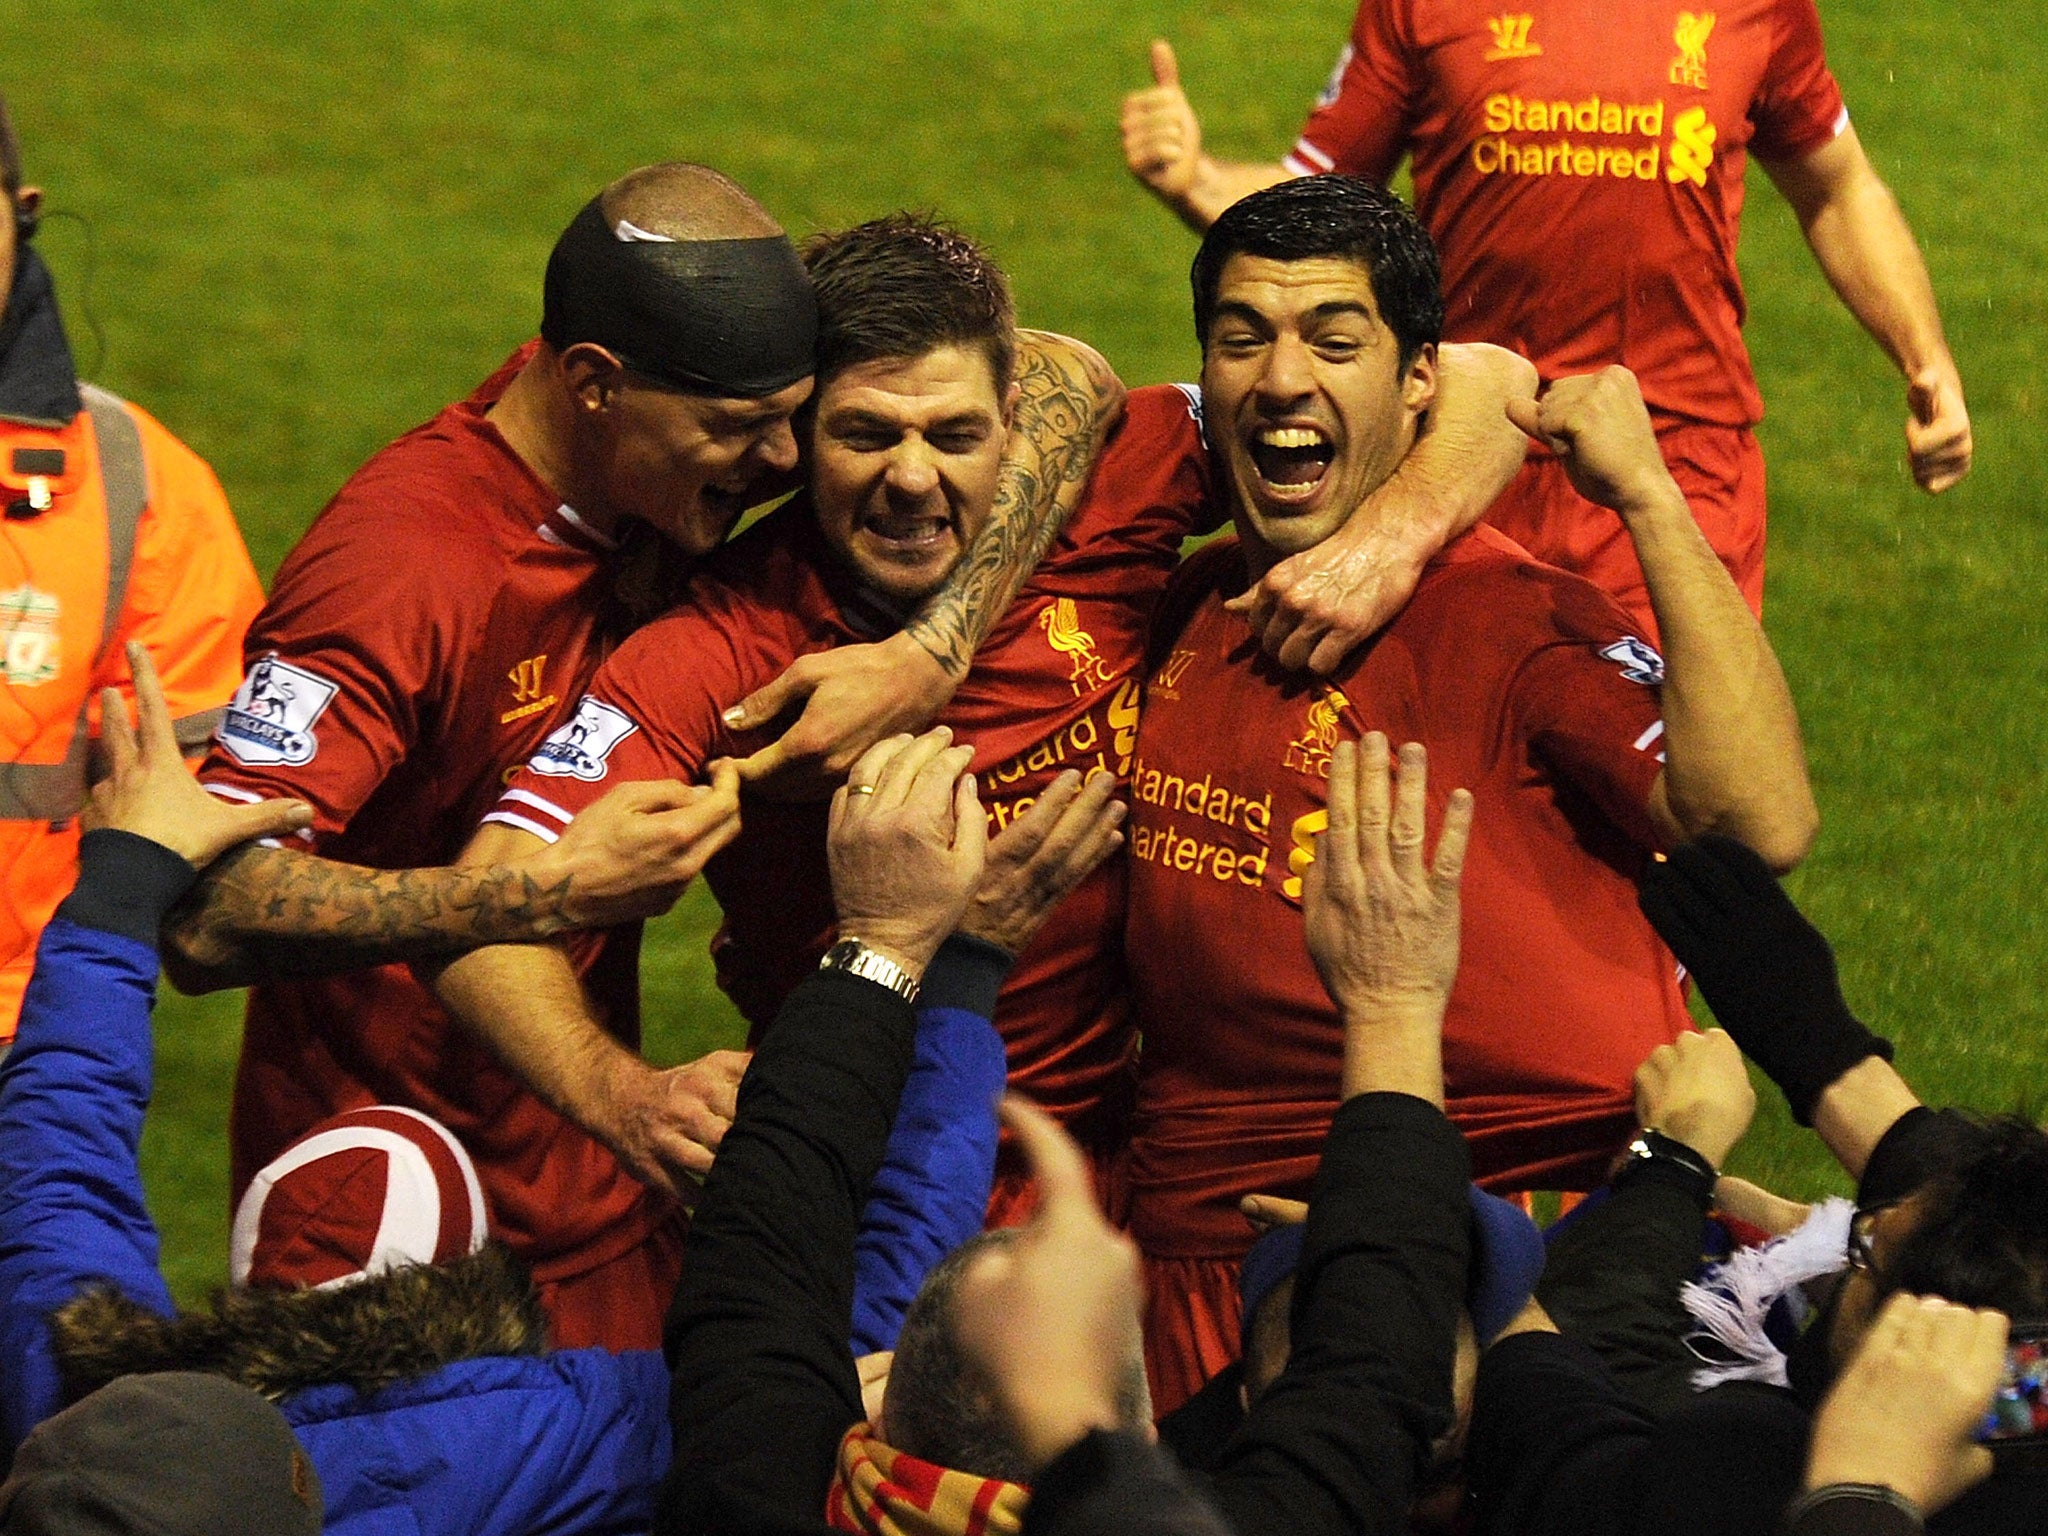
1061	621
1309	752
29	652
1690	67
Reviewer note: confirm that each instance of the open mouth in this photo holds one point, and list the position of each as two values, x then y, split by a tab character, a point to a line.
1292	460
724	502
908	532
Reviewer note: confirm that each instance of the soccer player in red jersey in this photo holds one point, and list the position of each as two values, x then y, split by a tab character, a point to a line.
438	621
913	372
1584	749
1580	166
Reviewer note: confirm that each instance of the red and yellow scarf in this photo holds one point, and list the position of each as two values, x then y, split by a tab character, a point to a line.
880	1491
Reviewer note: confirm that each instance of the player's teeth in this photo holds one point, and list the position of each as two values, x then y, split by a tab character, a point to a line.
1291	437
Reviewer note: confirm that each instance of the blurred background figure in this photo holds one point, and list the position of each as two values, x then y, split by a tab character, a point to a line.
114	531
1580	168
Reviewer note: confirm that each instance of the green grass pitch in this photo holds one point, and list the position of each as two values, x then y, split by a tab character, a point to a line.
313	224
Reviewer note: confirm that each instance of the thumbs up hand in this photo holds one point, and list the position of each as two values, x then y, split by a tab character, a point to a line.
1162	136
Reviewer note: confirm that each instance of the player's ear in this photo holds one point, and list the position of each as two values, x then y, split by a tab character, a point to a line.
1010	398
1418	388
593	374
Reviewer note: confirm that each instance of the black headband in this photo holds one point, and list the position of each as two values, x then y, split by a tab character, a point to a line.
714	317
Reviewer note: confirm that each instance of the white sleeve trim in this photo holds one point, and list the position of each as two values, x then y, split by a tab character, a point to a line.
1841	122
524	824
528	797
235	793
1307	160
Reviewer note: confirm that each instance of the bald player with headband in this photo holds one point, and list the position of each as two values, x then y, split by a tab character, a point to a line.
440	619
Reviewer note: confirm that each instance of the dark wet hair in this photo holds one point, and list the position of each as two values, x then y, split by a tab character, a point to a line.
1982	1236
1341	216
900	286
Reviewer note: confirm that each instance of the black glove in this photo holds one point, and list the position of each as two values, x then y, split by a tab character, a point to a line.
1763	968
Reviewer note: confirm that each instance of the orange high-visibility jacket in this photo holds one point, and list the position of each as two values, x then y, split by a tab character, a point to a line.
134	541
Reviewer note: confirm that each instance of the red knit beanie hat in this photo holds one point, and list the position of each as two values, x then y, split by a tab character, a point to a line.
360	1193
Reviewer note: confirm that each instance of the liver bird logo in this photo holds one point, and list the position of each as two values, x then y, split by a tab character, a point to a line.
1061	621
1322	721
1310	751
1691	33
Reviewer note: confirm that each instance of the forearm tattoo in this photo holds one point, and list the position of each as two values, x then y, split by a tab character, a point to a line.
1066	399
275	914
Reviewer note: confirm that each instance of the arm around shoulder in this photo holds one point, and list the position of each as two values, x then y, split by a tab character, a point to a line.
1314	608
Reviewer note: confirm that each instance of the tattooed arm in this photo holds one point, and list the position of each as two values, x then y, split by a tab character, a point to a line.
1068	399
274	914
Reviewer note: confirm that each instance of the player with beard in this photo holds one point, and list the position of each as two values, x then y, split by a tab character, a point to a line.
440	619
1318	310
914	364
1580	167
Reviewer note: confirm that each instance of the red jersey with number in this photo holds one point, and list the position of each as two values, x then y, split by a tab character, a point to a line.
1580	169
1528	688
435	623
1054	686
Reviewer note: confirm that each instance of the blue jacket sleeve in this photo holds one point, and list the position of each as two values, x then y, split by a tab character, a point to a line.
72	1096
932	1192
572	1443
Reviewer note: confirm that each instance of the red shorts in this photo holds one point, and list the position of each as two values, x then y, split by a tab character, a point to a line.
1192	1326
1721	472
619	1304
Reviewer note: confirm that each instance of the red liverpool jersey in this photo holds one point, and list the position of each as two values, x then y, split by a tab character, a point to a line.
1054	686
434	624
1528	689
1580	168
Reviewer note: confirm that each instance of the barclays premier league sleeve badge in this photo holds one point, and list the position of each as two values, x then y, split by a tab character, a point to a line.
1638	662
579	749
270	719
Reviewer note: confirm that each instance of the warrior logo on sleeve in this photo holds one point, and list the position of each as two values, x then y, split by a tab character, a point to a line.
579	749
270	718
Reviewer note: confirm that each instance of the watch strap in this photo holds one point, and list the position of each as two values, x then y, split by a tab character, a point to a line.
858	959
1655	1149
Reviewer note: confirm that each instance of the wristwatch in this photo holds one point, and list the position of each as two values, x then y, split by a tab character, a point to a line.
1655	1147
853	956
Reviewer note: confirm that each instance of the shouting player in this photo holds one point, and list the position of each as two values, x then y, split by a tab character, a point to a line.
440	619
1318	310
914	380
1580	166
